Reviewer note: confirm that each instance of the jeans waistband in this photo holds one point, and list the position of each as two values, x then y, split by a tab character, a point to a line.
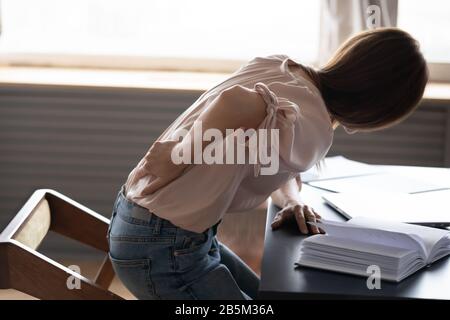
137	212
134	210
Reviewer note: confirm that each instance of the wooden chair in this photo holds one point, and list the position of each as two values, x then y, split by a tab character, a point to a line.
26	270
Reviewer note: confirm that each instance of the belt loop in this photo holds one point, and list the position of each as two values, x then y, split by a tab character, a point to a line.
158	222
116	202
122	190
215	227
151	216
119	194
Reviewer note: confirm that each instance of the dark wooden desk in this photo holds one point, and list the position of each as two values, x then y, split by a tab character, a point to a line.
281	280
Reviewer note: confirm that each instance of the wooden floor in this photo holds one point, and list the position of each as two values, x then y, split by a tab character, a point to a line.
242	232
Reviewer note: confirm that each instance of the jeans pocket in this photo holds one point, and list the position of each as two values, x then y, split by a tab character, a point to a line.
192	242
192	252
135	274
217	284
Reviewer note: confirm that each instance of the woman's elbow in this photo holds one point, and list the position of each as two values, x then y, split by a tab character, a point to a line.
246	104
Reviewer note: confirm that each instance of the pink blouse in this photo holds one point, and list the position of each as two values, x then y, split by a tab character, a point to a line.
205	192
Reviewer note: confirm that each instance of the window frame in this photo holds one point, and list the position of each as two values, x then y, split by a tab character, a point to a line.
117	62
439	72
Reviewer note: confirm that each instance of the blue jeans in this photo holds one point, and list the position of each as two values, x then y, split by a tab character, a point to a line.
158	260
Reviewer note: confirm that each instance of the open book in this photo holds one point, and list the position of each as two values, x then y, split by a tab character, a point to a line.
398	249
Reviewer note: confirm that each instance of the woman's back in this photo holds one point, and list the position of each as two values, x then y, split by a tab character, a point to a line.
198	199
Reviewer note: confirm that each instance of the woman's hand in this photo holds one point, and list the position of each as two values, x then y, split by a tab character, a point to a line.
158	163
301	214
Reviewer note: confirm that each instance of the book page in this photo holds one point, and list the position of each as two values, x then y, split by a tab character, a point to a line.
369	234
428	236
362	251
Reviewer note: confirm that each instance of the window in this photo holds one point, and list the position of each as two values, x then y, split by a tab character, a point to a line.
428	22
174	29
204	35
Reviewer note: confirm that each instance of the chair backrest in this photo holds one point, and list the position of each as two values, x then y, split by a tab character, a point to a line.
35	227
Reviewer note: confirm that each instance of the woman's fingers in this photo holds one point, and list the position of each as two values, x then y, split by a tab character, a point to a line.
154	185
300	218
318	218
143	170
303	214
311	217
278	220
281	217
139	173
149	166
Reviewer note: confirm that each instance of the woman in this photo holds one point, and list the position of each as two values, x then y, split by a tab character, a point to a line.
164	222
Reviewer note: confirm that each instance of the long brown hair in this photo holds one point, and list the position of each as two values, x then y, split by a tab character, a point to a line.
374	80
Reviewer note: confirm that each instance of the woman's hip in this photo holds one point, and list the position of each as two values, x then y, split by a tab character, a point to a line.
155	258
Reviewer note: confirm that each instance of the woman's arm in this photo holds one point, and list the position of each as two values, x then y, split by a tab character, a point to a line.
287	194
288	198
235	107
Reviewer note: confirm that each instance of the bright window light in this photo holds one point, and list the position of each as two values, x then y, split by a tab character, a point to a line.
428	22
232	29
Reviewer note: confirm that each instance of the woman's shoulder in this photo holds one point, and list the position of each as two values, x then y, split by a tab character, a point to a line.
264	61
271	58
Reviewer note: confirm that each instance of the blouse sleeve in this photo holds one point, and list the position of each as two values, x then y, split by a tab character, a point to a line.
301	140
